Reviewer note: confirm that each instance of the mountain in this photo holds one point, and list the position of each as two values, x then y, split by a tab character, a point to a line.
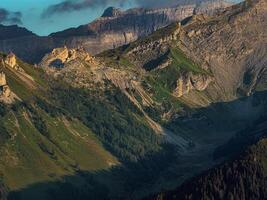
46	141
39	145
25	44
227	44
9	32
138	119
228	55
116	27
104	33
231	47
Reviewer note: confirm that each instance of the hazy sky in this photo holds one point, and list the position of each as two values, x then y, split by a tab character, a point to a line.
46	16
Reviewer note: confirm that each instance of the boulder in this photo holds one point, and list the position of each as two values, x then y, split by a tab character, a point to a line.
2	79
4	88
11	60
60	56
189	81
5	91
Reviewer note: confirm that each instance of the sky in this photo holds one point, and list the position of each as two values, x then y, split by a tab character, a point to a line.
46	16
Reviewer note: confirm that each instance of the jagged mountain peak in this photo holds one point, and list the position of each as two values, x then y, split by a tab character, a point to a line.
112	12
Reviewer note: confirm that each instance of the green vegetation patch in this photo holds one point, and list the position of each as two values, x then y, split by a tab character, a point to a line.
182	62
158	34
29	156
113	118
162	82
36	73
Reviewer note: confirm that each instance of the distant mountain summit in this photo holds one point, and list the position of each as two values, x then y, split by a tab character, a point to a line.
14	31
112	12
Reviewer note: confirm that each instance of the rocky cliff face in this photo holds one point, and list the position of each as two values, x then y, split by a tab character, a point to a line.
113	29
60	56
116	28
4	88
188	82
161	58
232	45
2	79
203	59
11	61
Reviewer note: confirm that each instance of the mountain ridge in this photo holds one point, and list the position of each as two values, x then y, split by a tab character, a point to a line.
97	36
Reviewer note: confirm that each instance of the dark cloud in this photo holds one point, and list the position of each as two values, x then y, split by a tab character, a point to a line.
76	5
72	5
7	17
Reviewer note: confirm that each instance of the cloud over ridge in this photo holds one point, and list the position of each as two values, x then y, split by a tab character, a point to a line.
77	5
8	17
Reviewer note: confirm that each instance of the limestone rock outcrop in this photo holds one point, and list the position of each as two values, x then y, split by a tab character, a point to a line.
11	60
60	56
189	81
2	79
4	88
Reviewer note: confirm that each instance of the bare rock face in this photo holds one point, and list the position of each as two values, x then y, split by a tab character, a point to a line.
232	45
188	82
75	66
5	91
2	79
116	28
11	60
6	95
58	57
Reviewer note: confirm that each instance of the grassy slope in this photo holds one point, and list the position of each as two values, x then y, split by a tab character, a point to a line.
33	157
56	132
28	156
162	82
